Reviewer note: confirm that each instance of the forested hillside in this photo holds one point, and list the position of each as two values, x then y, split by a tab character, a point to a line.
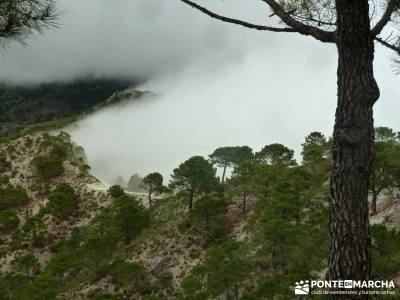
24	105
66	236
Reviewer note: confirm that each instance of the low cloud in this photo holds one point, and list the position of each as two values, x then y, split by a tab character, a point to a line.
220	84
208	106
125	38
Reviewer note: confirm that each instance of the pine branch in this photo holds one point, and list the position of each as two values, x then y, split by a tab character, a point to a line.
20	18
395	47
386	17
236	21
317	33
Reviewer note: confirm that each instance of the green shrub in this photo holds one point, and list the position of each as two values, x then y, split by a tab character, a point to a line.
4	164
4	180
210	216
102	296
116	191
159	296
97	251
131	217
165	281
10	283
44	287
48	167
129	274
41	188
69	256
385	252
28	264
222	272
60	151
12	196
33	231
85	168
8	220
60	145
63	202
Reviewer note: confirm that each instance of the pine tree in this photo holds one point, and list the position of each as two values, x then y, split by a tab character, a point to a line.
20	18
354	27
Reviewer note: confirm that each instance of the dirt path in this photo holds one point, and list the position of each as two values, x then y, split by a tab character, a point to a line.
102	186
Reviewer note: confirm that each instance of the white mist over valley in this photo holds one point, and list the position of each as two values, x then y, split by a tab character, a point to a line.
218	84
238	103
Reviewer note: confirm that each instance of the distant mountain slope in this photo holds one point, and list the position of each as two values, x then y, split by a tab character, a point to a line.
21	106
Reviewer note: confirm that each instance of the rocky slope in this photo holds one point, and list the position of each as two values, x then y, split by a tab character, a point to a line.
388	208
163	249
161	256
20	153
124	96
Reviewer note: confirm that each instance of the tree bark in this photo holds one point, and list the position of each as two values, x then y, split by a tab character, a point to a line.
376	192
223	174
150	192
353	146
236	291
191	200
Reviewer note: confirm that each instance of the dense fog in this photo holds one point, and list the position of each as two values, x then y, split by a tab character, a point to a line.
218	84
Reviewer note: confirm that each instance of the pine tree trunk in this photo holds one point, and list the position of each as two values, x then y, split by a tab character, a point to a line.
191	196
150	192
353	145
374	200
223	174
236	291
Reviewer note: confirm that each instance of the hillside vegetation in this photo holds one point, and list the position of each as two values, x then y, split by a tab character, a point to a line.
251	236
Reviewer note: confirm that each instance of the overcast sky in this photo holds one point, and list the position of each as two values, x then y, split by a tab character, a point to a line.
130	37
220	84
